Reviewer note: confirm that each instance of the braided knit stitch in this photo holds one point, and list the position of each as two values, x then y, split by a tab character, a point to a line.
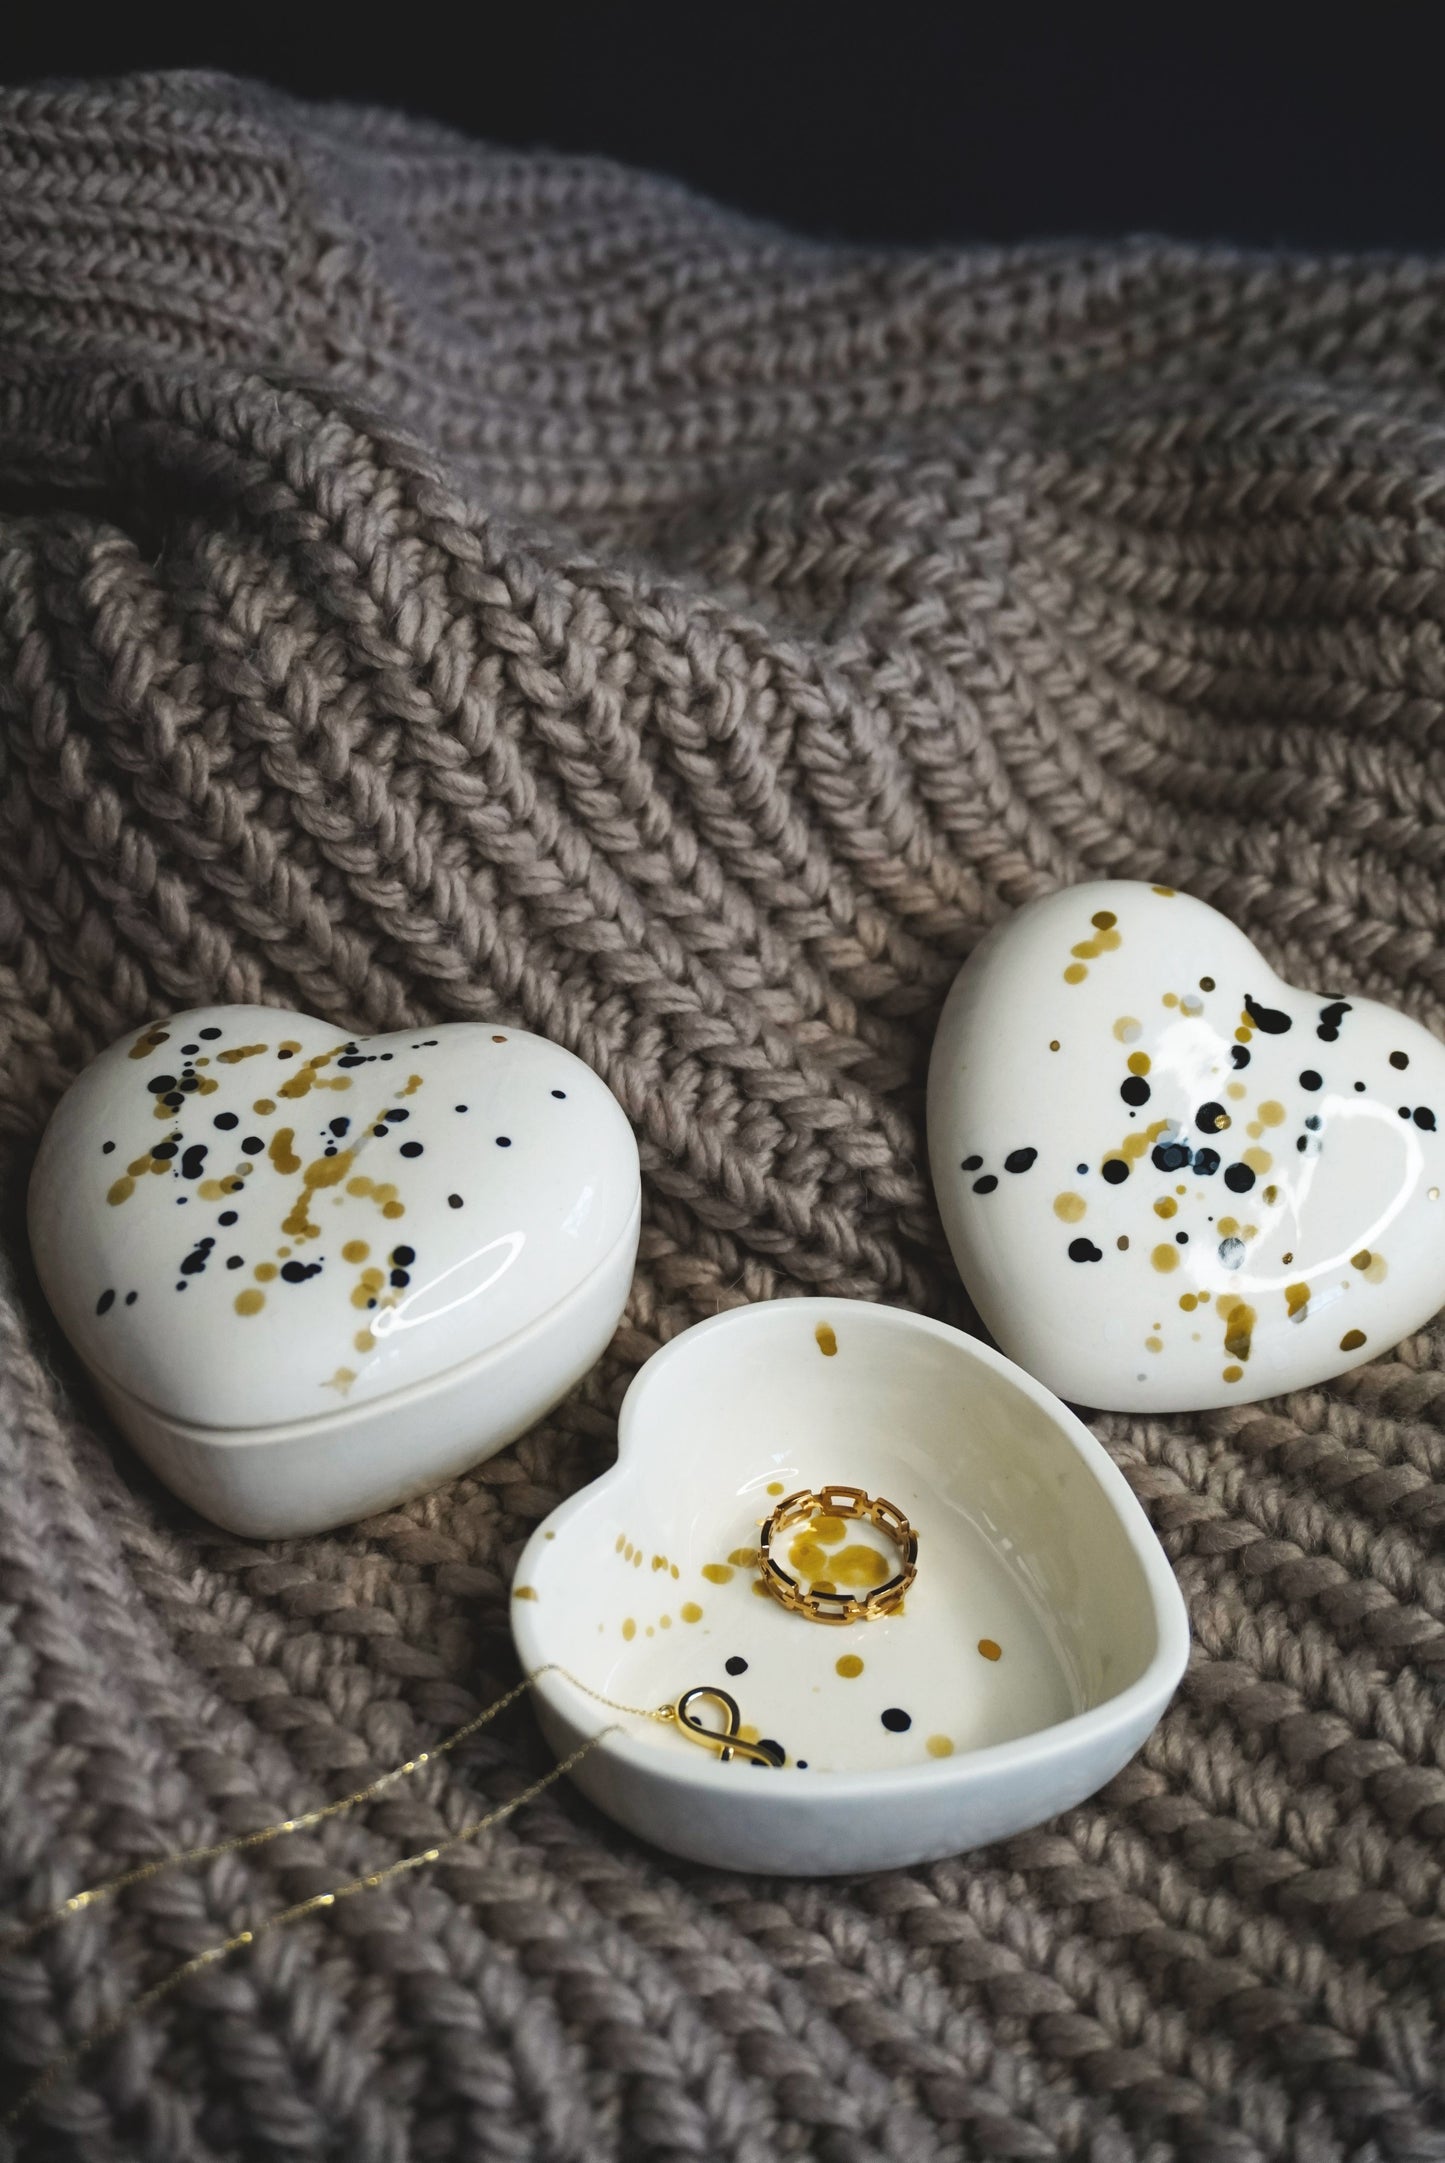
438	583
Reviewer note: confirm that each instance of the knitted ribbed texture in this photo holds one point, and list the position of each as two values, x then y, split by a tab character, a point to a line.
438	583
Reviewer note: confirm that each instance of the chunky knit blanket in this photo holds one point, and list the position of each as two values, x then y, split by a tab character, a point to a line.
439	583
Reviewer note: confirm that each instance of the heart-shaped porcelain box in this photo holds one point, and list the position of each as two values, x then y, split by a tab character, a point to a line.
1170	1180
311	1275
1037	1646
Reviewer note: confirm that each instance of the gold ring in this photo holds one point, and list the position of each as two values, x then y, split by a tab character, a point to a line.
821	1601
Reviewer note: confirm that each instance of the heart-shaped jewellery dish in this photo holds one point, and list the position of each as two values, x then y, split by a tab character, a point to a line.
1003	1628
312	1275
1170	1180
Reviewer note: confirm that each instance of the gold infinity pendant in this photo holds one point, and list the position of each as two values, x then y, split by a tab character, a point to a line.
727	1742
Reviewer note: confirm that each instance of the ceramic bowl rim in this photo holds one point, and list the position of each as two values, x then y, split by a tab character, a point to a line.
1137	1705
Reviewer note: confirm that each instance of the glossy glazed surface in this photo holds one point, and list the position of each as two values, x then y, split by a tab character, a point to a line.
1040	1641
1170	1180
243	1219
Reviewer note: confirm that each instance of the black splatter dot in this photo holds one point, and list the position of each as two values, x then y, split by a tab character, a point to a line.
1081	1169
1238	1178
161	1084
253	1145
225	1121
1425	1118
357	1058
1170	1156
298	1272
1115	1170
970	1164
896	1720
1314	1122
802	1765
454	1201
1019	1160
1206	983
380	1133
1399	1060
1360	1087
105	1302
411	1149
1330	1018
462	1107
106	1148
1239	1053
1135	1090
737	1665
1181	1239
340	1126
384	1056
562	1093
197	1259
403	1256
1084	1250
1211	1117
227	1216
188	1051
1404	1111
774	1751
174	1101
1267	1018
208	1036
193	1162
182	1285
164	1151
396	1115
130	1299
400	1276
1231	1253
285	1054
985	1185
1310	1080
1206	1162
234	1261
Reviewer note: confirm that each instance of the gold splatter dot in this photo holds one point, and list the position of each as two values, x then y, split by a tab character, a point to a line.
627	1551
659	1562
341	1381
265	1106
1239	1321
238	1052
637	1559
1138	1062
621	1543
1167	892
264	1272
828	1531
282	1155
849	1666
939	1746
717	1573
524	1592
1075	973
1234	1374
1272	1112
1352	1340
1054	1045
775	1487
1432	1194
1122	1242
1164	1259
827	1340
761	1589
858	1567
1296	1299
989	1649
1103	920
1126	1028
364	1341
250	1301
629	1629
1171	998
1271	1196
691	1612
1228	1226
1153	1344
151	1041
1166	1207
1360	1260
355	1250
744	1558
1070	1207
1258	1160
664	1622
807	1557
120	1192
674	1569
1243	1036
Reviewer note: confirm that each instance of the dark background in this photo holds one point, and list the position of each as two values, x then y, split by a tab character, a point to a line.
900	122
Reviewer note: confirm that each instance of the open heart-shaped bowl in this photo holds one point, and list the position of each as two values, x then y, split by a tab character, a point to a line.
1038	1645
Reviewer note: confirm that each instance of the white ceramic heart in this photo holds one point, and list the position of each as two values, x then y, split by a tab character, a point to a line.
314	1275
1039	1644
1170	1180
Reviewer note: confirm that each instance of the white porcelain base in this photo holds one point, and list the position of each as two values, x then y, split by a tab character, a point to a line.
281	1482
1039	1645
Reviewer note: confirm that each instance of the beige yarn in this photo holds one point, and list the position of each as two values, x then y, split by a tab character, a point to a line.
440	583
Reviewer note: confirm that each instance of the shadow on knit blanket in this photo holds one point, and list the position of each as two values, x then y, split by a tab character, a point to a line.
439	583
